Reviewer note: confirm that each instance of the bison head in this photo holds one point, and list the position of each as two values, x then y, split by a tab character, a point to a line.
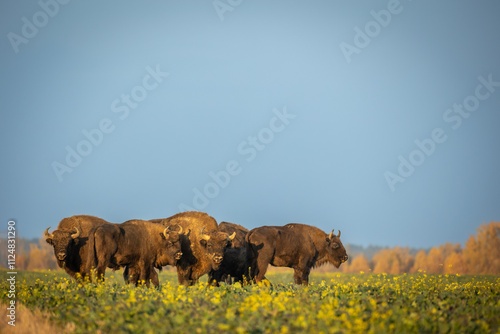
215	243
171	252
64	241
335	249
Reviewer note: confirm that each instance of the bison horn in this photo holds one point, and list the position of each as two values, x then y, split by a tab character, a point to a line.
167	229
204	236
330	236
180	230
165	232
77	234
48	235
231	237
338	235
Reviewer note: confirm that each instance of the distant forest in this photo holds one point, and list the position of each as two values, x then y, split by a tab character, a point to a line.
481	255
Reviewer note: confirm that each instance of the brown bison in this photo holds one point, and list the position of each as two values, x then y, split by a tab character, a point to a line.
296	246
235	264
202	247
140	245
69	241
132	275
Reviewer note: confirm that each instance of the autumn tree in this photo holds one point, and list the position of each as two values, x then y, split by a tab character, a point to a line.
420	262
435	261
393	261
454	264
22	260
41	256
360	263
448	248
482	253
406	259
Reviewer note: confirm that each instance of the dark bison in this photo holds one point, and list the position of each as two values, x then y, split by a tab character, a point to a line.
140	245
202	247
69	241
235	264
296	246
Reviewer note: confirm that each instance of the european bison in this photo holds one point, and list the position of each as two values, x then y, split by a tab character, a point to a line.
235	264
138	244
202	248
296	246
70	242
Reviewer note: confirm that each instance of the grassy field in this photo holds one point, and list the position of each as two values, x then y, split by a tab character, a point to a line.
332	303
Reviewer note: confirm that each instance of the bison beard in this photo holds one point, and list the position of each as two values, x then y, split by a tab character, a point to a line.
296	246
139	245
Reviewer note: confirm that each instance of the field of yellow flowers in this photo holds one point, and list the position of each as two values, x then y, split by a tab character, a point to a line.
332	303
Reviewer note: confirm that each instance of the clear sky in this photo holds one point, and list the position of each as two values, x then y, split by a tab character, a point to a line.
378	118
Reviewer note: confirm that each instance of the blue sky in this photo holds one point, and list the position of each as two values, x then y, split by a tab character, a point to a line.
378	118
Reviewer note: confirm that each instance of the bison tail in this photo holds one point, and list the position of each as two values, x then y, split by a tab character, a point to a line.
92	254
252	253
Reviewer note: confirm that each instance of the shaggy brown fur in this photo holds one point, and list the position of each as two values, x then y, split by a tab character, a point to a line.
199	255
71	253
138	244
235	264
296	246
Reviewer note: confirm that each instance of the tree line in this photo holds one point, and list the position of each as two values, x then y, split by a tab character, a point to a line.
480	255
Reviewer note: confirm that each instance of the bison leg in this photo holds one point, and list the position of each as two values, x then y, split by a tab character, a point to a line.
258	267
213	278
192	280
297	276
145	274
102	259
217	276
71	273
105	248
126	276
131	275
259	263
184	275
301	276
100	272
154	277
261	269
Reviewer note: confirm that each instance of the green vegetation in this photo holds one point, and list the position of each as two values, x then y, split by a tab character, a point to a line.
332	303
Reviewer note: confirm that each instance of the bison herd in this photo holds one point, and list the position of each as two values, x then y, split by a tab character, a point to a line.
84	246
